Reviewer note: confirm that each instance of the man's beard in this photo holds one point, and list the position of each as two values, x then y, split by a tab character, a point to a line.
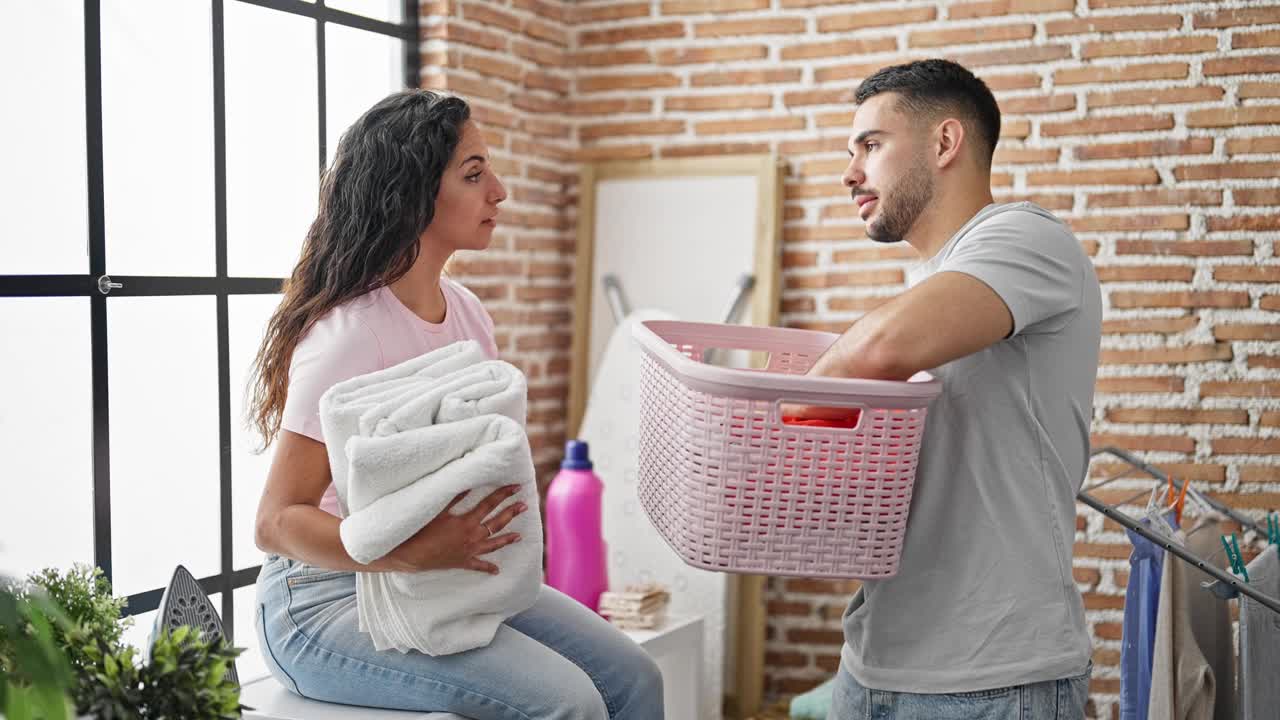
909	198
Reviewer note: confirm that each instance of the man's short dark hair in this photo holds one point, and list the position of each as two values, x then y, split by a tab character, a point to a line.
929	88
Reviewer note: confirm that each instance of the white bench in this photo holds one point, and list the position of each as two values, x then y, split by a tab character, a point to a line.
271	701
676	648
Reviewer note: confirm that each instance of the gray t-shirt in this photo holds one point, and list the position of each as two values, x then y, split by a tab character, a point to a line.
984	597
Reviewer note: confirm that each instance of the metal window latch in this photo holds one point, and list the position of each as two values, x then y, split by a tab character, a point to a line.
105	286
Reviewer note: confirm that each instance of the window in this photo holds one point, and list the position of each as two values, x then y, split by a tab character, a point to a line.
164	162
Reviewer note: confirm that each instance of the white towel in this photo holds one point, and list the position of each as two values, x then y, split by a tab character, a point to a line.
402	443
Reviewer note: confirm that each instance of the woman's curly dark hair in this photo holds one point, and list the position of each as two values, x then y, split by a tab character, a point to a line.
376	199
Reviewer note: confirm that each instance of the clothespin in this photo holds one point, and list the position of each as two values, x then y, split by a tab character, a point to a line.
1157	516
1234	557
1273	528
1181	501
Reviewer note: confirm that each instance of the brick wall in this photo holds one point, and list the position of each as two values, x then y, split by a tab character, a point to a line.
511	61
1150	126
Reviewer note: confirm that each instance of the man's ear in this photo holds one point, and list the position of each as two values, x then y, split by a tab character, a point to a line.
949	137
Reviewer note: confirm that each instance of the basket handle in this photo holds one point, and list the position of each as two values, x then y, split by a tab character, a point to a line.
718	356
862	409
800	389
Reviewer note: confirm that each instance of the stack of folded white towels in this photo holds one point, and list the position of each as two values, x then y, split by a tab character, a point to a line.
638	607
403	443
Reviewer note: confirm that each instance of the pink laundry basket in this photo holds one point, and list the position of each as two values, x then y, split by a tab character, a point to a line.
732	488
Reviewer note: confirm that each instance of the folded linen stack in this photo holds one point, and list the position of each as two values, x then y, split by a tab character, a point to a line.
636	607
402	443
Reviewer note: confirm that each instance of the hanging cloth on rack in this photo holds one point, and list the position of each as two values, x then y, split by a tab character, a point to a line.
1211	618
1260	641
1141	601
1182	683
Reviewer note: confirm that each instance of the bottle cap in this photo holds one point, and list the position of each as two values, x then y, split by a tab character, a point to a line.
576	456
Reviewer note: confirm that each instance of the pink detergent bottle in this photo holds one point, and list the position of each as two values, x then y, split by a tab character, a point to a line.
576	561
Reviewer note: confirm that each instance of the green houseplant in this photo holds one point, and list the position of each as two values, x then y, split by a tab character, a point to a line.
80	629
185	678
35	677
84	594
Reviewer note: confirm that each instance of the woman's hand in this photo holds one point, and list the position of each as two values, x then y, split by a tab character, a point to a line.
458	541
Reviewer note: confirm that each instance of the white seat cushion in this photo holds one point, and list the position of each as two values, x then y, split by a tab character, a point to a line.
270	700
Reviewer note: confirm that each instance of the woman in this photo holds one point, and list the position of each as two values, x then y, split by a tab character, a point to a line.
410	184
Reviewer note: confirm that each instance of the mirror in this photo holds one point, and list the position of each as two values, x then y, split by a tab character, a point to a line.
697	239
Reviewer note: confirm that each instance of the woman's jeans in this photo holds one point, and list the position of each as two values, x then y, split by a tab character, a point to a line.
556	660
1050	700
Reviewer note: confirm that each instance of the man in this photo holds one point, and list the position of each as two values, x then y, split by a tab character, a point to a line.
983	618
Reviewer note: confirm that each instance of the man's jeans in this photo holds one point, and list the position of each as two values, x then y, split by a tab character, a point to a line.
1051	700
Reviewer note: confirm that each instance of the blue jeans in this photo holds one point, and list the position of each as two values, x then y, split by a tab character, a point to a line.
1049	700
556	660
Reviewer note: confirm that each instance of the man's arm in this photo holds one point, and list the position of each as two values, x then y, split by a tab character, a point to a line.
948	316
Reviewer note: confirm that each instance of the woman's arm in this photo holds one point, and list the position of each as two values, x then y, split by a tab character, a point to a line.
291	523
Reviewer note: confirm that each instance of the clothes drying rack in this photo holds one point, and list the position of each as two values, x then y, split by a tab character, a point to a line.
1227	585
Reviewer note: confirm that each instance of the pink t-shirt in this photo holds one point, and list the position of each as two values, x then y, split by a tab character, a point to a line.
372	332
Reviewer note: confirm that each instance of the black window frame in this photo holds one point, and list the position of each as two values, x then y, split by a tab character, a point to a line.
99	288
